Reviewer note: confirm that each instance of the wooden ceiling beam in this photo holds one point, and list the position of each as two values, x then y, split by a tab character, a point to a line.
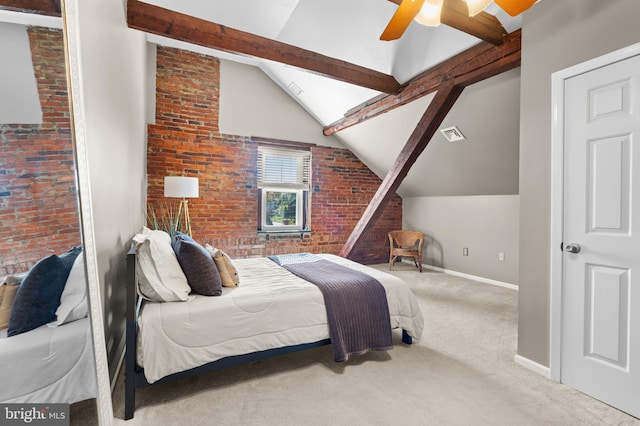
168	23
484	26
438	109
39	7
482	61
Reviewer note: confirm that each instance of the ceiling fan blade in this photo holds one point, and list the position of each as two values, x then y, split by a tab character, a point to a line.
515	7
401	19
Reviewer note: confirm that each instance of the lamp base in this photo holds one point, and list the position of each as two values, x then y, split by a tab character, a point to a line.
187	219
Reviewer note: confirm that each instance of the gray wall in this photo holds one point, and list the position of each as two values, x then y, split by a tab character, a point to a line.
19	99
556	35
486	163
251	104
486	225
464	194
113	62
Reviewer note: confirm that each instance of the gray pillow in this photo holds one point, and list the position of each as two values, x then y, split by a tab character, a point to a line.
198	265
38	296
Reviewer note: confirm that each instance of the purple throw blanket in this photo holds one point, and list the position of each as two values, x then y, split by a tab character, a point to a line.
356	304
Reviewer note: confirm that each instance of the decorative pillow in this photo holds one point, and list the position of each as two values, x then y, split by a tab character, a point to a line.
228	272
198	265
73	302
160	277
8	291
38	296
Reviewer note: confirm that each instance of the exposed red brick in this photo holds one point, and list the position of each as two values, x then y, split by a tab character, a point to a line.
185	139
38	207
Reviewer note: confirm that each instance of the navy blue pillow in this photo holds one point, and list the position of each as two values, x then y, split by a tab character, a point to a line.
198	265
38	296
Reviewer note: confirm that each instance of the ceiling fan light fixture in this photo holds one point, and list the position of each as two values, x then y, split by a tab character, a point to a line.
477	6
430	13
515	7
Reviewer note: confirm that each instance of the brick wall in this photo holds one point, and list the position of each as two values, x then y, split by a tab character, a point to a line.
38	207
186	139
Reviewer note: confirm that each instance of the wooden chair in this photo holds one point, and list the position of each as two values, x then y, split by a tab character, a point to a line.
407	244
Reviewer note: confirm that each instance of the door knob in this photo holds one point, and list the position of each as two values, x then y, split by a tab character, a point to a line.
573	248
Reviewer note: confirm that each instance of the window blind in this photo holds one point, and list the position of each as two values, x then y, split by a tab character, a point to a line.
286	168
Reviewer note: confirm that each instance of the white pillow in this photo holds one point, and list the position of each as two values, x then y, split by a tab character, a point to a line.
160	277
73	301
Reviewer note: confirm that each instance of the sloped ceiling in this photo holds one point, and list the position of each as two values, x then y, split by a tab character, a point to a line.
488	112
349	30
343	29
485	163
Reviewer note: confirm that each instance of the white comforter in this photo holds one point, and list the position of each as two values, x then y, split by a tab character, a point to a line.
48	365
271	308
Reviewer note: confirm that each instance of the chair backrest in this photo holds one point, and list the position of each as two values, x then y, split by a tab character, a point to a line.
406	238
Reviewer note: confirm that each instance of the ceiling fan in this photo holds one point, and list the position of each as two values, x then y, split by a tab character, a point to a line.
427	12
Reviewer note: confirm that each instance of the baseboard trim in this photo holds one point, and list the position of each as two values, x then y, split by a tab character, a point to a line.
473	277
533	366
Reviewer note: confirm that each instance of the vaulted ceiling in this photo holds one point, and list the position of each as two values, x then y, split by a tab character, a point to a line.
348	31
345	30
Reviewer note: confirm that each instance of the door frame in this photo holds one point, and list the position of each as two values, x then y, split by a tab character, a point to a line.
558	79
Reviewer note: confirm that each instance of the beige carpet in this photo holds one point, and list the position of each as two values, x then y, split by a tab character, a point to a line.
460	373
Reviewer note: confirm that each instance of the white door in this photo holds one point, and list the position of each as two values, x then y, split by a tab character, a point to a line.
601	282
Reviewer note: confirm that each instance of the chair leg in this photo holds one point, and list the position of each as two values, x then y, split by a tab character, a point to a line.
418	263
393	260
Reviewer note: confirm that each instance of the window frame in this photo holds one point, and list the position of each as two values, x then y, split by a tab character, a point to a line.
299	226
301	189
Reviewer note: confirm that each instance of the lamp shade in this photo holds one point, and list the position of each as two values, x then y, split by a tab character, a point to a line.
180	187
430	12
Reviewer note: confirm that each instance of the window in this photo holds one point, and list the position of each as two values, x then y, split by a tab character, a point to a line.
283	182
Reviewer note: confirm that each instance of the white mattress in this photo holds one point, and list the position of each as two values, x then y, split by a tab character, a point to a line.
271	308
48	365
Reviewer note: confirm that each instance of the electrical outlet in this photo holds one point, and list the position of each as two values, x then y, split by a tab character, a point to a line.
465	251
501	256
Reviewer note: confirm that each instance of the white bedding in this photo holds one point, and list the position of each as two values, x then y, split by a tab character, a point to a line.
48	365
271	308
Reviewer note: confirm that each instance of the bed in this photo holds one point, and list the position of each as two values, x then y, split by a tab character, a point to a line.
48	365
46	352
271	312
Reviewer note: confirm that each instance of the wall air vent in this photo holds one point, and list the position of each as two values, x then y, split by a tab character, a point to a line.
453	134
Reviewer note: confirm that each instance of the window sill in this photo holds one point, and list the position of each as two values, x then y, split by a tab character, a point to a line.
287	234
